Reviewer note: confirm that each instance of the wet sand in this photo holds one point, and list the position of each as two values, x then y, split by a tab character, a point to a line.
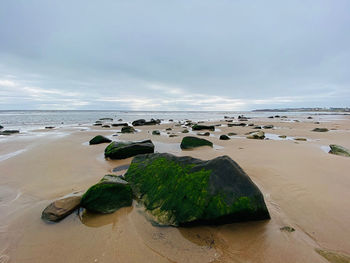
304	187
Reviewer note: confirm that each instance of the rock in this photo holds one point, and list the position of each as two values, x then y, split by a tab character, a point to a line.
309	118
236	124
203	133
153	122
296	120
99	139
61	208
251	124
284	117
197	127
287	229
260	135
277	116
268	126
155	132
171	120
128	129
271	117
122	150
320	130
190	142
182	191
106	119
97	124
257	127
242	118
282	136
120	120
168	129
231	134
316	122
106	126
228	117
300	139
49	127
119	124
9	132
339	150
1	127
185	131
224	137
173	135
107	196
139	122
229	120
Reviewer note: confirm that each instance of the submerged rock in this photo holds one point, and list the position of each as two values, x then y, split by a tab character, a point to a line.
339	150
155	132
282	136
99	139
197	127
61	208
224	137
185	191
260	135
107	196
127	129
320	130
97	124
49	127
190	142
123	150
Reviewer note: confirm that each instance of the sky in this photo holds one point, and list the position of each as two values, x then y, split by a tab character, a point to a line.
174	55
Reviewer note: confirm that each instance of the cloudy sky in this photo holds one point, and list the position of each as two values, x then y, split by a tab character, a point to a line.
174	55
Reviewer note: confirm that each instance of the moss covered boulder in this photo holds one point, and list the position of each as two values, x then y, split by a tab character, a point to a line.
185	191
107	196
122	150
198	127
99	139
339	150
128	129
190	142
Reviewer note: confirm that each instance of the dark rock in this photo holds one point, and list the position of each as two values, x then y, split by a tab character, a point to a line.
282	136
188	124
1	127
182	191
9	132
316	122
251	124
171	120
106	126
236	124
257	127
128	129
243	119
339	150
268	126
309	118
300	139
122	150
287	229
203	133
119	124
229	120
224	137
173	135
271	117
231	134
61	208
139	122
107	196
197	127
168	129
97	124
120	120
185	131
277	116
99	139
49	127
106	119
320	130
260	135
155	132
153	122
190	142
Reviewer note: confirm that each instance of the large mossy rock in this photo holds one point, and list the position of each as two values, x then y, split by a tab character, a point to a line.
339	150
122	150
61	208
190	142
185	191
198	127
99	139
107	196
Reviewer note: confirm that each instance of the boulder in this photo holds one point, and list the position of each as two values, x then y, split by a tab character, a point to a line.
257	128
185	131
107	196
155	132
99	139
9	132
139	122
120	120
339	150
282	136
320	130
1	127
190	142
203	133
197	127
224	137
236	124
61	208
119	124
259	135
123	150
182	191
128	129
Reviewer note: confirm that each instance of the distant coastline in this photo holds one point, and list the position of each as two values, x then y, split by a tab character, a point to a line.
347	110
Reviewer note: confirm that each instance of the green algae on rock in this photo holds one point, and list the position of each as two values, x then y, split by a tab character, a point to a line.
99	139
190	142
339	150
127	129
184	190
107	196
123	150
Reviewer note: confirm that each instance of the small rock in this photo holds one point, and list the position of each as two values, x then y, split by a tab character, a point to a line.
268	126
287	229
203	133
339	150
231	134
224	137
128	129
282	136
190	142
320	130
197	127
185	131
49	127
119	124
99	139
155	132
106	126
300	139
259	135
9	132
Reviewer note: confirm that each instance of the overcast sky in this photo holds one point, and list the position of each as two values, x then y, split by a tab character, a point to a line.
174	55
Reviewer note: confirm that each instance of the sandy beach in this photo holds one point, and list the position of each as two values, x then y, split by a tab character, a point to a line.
304	187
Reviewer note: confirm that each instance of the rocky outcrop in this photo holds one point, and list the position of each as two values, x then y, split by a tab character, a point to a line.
9	132
122	150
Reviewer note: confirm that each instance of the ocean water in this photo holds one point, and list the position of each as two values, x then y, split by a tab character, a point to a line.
32	119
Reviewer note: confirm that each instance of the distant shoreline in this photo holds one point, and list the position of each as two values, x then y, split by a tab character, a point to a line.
347	110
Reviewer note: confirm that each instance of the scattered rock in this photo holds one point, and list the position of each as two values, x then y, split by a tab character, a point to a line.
316	122
242	118
231	134
197	127
188	191
61	208
190	142
155	132
106	126
97	124
296	120
128	129
168	129
142	122
119	124
300	139
287	229
9	132
185	131
171	120
268	126
122	150
1	127
257	127
173	135
270	117
320	130
107	196
224	137
251	124
339	150
99	139
120	120
203	133
236	124
309	118
282	136
260	135
277	116
49	127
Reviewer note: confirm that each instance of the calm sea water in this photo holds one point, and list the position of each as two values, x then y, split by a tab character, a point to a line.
28	120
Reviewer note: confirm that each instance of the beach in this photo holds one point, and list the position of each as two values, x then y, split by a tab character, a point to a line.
304	187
